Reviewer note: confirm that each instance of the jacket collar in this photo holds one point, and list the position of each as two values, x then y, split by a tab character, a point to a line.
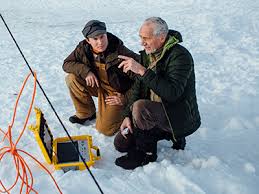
113	44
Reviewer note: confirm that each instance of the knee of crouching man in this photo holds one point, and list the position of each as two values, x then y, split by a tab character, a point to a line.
70	79
107	131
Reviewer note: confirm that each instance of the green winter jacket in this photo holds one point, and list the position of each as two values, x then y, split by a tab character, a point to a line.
174	82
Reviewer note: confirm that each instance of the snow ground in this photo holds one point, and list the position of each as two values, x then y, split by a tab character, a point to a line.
221	157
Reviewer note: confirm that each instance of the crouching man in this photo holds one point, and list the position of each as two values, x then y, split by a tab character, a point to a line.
163	102
93	71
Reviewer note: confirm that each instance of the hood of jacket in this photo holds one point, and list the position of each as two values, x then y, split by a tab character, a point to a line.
174	37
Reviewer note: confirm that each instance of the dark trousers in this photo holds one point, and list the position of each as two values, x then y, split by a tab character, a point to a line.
149	116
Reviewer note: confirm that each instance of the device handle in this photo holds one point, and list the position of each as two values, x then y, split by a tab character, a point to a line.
98	154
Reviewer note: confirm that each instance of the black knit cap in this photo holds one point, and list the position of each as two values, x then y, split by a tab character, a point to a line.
94	28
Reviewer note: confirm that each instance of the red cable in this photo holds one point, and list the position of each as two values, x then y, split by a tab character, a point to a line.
23	171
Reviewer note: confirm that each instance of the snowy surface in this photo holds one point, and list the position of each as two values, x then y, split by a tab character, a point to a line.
221	157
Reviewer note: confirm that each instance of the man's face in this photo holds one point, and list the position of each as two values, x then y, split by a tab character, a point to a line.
99	43
149	41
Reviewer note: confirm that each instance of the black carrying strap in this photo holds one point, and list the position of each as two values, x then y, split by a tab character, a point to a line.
76	148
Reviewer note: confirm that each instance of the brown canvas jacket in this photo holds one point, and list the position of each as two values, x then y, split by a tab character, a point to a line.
81	61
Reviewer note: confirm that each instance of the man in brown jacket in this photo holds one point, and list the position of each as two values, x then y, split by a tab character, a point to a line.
93	71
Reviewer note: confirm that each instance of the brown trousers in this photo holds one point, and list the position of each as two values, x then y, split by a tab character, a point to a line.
146	115
109	117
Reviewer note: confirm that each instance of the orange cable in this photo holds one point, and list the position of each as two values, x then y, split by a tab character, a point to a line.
23	172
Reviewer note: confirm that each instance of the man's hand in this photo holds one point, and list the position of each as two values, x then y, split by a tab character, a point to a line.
126	124
132	65
91	80
118	99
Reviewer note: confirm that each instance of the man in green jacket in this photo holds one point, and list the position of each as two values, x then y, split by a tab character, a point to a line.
93	71
163	102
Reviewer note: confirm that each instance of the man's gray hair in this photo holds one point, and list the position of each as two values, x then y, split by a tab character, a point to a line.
160	25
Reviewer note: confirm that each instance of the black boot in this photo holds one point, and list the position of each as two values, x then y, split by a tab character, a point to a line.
179	144
75	119
135	158
144	152
124	145
161	134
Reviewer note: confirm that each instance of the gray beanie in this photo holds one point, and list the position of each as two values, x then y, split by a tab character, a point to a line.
94	28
